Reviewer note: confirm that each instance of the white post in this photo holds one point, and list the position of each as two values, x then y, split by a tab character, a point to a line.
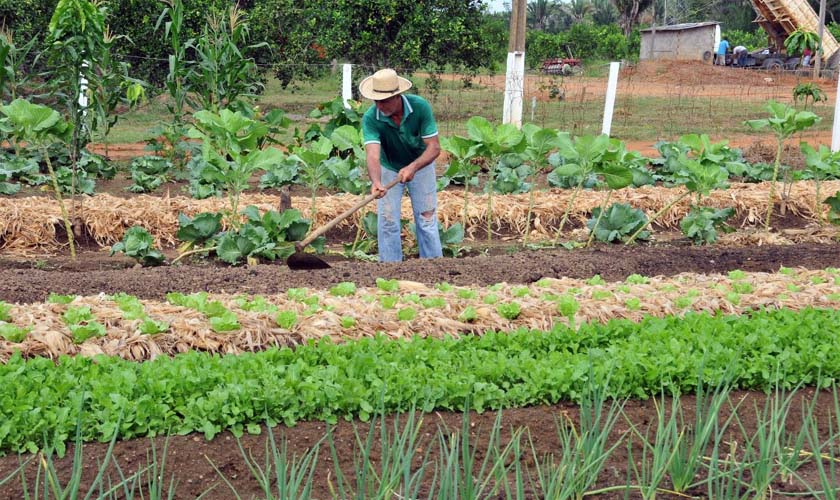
346	84
835	127
609	105
83	87
533	106
514	88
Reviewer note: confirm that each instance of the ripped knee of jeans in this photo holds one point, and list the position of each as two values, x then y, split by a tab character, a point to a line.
428	216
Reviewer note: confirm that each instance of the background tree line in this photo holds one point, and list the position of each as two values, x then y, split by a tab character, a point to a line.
294	38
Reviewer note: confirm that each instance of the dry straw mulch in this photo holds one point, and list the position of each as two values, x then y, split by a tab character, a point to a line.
190	330
32	223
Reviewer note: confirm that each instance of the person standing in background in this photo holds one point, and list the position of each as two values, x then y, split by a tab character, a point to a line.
720	55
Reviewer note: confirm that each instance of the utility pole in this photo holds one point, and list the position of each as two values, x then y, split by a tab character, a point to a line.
515	75
820	30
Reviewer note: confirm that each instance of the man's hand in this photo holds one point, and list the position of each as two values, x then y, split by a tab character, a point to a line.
406	174
377	189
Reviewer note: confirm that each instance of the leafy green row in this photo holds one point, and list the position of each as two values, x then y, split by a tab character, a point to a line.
40	400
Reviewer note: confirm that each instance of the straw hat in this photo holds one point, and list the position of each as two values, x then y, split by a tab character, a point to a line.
383	84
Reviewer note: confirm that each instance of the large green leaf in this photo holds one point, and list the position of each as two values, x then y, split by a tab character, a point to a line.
346	137
34	122
616	175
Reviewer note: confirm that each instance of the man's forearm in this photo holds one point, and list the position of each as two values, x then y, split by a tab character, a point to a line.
428	156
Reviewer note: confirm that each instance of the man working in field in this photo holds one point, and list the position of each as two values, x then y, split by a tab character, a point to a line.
401	141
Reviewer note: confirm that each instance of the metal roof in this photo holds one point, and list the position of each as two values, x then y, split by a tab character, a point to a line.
681	27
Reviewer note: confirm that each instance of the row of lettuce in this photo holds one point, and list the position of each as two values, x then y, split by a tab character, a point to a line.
400	308
42	401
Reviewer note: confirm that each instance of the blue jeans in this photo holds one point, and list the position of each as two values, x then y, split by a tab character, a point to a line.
422	190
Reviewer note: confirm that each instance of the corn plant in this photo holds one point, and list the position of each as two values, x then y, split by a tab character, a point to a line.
74	50
221	74
784	121
12	60
313	171
40	126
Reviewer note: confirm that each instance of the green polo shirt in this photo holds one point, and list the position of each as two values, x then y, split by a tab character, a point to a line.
404	144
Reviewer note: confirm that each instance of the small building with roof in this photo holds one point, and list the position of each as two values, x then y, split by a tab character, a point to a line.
681	42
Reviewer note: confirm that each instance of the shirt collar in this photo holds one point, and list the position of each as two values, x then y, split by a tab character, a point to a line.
407	110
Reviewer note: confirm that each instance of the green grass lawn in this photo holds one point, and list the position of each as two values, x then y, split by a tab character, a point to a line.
455	101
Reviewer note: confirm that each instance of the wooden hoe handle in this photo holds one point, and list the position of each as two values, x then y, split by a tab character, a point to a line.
347	213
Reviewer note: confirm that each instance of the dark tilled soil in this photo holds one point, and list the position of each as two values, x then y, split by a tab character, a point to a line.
94	272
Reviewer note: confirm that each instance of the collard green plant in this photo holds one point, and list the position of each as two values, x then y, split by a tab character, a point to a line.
148	173
700	179
231	143
540	141
784	121
313	172
40	126
337	114
617	223
820	164
461	167
198	230
138	244
451	238
702	224
96	165
492	143
586	156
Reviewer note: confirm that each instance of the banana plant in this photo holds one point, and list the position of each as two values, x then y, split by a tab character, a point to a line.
784	121
230	142
40	126
492	143
583	156
701	178
801	39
